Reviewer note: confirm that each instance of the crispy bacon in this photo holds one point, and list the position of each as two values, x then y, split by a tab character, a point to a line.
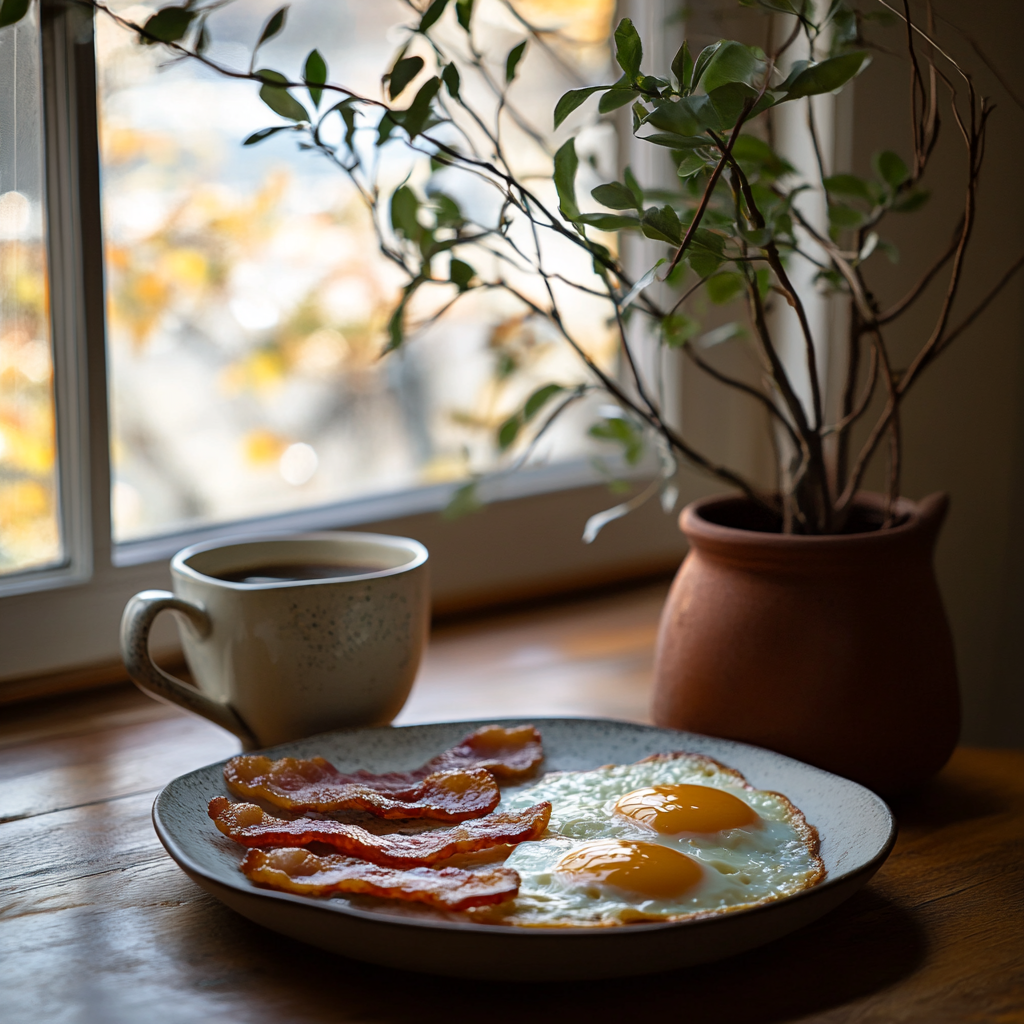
316	785
250	825
505	753
302	872
454	786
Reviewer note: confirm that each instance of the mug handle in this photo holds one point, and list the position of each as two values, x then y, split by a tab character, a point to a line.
136	622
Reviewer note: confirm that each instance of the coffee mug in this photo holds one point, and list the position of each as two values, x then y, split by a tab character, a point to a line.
288	636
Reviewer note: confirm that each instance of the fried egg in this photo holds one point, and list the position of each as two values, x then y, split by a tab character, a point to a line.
673	837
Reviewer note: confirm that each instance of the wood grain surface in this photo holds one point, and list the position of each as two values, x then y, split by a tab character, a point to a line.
97	924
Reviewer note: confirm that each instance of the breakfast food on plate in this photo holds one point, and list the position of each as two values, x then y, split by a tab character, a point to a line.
673	837
252	826
316	785
506	753
302	872
456	785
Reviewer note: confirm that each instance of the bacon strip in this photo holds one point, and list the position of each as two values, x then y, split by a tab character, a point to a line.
250	825
505	753
454	786
302	872
316	785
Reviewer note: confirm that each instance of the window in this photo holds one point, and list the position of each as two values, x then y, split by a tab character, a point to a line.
211	376
30	527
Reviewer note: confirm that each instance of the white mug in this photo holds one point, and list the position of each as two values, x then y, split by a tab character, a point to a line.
276	659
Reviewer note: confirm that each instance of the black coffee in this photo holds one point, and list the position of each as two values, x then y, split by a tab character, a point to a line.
293	572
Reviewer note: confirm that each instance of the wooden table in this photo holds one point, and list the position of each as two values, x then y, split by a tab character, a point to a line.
97	924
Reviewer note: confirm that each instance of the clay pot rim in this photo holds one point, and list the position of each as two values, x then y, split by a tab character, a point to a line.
922	519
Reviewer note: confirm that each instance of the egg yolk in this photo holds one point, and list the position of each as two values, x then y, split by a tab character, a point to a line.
670	810
647	869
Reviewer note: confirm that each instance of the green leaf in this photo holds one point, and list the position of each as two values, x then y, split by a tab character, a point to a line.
451	79
634	186
396	328
724	287
753	152
446	210
617	197
386	125
509	431
566	164
728	102
640	113
734	62
841	216
12	11
662	224
701	63
682	66
463	502
758	237
315	75
672	141
415	118
167	25
433	12
782	6
796	69
892	254
539	399
621	431
202	38
705	252
460	274
573	99
914	201
273	26
690	165
278	98
265	133
689	116
629	50
515	55
607	221
848	185
828	76
464	12
764	281
403	73
346	108
615	98
844	25
396	323
891	169
677	329
404	207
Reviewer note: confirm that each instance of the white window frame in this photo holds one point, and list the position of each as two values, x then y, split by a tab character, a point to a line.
63	620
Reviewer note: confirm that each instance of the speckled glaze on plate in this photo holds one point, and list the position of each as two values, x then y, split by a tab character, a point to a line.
856	828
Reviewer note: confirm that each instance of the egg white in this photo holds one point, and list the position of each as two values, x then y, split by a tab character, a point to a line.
741	867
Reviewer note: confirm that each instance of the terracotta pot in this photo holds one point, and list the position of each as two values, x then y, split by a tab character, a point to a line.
835	650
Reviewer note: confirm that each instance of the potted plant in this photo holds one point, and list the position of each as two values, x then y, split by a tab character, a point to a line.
807	616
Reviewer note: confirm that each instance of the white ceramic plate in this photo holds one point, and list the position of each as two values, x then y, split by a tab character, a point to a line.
856	828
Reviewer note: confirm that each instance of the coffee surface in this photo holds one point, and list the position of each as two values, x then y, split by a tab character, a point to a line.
293	572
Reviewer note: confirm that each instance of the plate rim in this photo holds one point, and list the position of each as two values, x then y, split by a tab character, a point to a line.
186	863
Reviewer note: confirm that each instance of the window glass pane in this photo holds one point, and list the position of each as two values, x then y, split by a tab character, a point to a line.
29	512
247	299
